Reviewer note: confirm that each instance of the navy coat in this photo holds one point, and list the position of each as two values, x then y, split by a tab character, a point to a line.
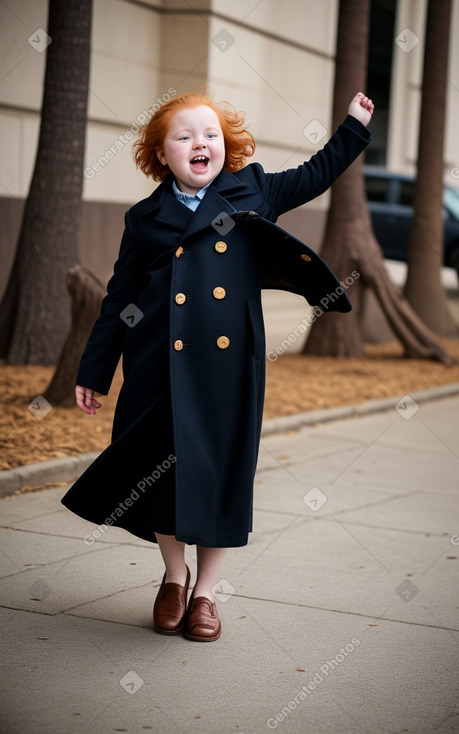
184	309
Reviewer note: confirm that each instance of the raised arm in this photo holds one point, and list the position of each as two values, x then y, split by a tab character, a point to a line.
296	186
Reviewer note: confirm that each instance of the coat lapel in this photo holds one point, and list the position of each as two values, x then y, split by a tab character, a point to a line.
217	202
167	209
174	213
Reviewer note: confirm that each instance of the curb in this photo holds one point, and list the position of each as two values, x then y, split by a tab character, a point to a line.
70	468
67	469
313	417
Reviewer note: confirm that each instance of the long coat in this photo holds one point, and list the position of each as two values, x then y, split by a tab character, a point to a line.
184	309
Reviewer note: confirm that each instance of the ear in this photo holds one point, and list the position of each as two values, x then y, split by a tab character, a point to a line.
160	156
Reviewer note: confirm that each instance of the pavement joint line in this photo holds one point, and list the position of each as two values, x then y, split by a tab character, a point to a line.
254	598
328	515
69	468
345	611
325	517
108	596
422	533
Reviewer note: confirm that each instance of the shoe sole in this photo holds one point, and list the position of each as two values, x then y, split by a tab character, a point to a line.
195	638
170	633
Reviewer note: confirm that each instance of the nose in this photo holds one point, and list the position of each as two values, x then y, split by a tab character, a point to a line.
199	143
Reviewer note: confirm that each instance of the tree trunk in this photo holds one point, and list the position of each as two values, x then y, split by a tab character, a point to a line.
86	292
349	245
35	314
423	287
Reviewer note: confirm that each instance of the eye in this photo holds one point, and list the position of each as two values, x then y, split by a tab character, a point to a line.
212	135
184	137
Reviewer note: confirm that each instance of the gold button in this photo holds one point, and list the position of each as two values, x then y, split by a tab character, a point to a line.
179	252
221	246
178	345
180	298
223	342
306	258
219	293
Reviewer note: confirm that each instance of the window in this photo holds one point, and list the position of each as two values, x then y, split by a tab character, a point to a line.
380	52
406	193
451	201
377	188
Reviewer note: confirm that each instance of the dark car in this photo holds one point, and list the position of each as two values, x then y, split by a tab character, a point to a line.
390	201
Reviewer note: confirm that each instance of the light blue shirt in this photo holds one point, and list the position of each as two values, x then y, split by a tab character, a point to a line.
192	201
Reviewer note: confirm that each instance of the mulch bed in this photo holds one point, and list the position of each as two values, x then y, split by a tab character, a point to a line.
295	384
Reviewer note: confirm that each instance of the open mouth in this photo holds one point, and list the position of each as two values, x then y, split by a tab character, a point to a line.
199	162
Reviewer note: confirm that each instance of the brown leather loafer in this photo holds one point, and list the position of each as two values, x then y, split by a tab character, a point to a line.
170	607
202	622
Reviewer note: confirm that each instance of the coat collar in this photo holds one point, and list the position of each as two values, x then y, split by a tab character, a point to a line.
216	201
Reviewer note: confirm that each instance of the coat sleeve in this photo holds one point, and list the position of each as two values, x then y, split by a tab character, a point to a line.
289	189
103	349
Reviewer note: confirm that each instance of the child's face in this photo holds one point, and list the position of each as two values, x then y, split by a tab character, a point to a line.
194	148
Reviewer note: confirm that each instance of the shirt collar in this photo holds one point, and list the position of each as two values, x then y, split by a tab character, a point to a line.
189	197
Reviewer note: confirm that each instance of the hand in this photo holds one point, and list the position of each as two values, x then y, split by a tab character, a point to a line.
362	108
86	401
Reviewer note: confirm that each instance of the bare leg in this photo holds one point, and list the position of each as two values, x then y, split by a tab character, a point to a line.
209	565
173	553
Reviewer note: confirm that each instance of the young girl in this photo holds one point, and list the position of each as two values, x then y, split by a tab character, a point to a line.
184	309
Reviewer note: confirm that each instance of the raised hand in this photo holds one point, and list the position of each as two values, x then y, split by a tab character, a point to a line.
362	108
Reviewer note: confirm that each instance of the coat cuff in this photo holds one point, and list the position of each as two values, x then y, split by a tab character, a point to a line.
92	380
354	124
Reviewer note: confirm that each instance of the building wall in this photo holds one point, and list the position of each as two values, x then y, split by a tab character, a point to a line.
407	89
276	65
273	60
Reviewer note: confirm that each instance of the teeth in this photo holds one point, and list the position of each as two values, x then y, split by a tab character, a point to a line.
199	159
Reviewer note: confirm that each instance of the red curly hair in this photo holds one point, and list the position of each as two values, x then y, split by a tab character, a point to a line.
239	143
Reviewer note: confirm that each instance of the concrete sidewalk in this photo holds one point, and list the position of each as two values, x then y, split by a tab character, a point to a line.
340	615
